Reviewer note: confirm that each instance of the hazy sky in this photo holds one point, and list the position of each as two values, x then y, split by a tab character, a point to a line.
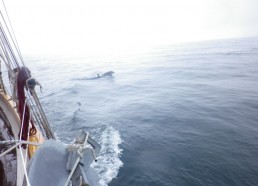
55	26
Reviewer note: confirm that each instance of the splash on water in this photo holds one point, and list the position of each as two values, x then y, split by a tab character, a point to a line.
109	162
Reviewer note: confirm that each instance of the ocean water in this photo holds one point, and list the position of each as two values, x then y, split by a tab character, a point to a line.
183	115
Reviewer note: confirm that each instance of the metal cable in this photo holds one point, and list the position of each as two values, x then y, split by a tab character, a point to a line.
10	34
17	48
6	42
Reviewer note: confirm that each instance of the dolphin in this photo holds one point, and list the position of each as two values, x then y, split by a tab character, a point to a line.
106	74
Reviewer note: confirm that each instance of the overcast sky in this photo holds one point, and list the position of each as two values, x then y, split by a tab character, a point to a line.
43	26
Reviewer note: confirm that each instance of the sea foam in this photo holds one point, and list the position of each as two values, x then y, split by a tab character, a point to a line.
109	162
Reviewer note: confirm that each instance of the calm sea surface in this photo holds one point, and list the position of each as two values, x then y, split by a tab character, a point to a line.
184	115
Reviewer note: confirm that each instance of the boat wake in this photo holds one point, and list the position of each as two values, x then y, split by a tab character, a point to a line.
109	162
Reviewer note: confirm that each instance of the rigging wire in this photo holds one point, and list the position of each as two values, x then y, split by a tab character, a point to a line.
7	44
9	35
12	54
15	43
15	40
